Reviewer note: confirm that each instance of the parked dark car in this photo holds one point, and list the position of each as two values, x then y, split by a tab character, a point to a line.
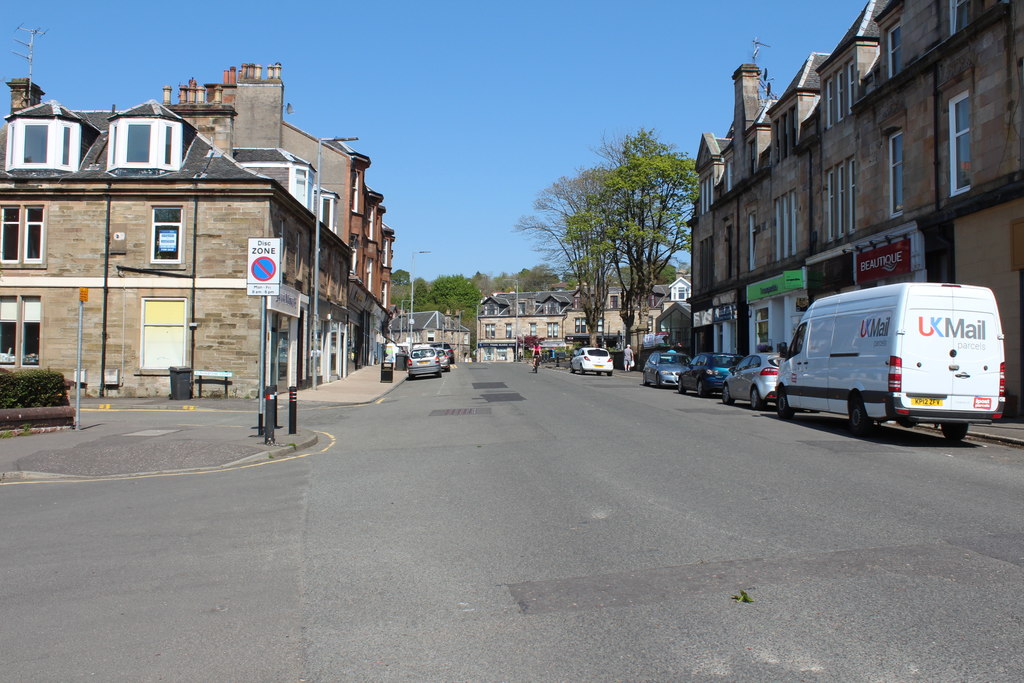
706	373
662	369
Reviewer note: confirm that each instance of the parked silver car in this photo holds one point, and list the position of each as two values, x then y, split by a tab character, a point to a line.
662	369
424	361
753	378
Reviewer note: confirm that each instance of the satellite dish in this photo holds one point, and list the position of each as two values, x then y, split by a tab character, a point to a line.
289	109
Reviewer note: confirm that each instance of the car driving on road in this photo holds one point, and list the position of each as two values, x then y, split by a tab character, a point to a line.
591	359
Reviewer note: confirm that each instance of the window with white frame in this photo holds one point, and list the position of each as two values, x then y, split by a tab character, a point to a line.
959	14
489	330
508	330
20	319
581	325
22	234
894	50
43	144
145	143
163	333
369	274
785	225
707	185
751	241
728	174
959	144
356	192
830	103
851	194
552	330
301	187
852	81
167	234
373	224
533	329
353	241
896	173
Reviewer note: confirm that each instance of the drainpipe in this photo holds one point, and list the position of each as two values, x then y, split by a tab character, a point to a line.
106	292
192	325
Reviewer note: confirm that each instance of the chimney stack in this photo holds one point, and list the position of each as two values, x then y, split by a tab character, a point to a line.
24	94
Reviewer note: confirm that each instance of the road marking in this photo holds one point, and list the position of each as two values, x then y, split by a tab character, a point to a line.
154	475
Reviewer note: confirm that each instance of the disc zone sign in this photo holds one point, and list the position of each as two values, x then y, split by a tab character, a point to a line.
263	275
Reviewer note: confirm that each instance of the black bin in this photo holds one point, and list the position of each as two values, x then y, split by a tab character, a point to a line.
181	383
387	371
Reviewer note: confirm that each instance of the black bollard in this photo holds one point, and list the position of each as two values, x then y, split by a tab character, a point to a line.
293	409
270	421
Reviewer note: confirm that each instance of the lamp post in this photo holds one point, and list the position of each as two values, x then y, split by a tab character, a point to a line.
314	347
412	294
405	319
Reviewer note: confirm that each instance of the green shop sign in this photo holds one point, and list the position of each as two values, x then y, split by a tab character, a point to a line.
787	282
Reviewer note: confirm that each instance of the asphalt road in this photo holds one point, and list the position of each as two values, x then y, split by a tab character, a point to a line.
500	525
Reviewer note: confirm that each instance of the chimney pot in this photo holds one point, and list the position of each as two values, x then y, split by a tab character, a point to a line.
182	94
167	94
258	72
218	94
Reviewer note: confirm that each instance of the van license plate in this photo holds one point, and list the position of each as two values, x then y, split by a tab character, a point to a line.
926	401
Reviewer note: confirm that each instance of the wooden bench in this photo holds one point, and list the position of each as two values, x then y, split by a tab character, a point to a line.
217	376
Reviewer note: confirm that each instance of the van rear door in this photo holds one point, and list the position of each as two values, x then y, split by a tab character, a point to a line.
951	350
977	340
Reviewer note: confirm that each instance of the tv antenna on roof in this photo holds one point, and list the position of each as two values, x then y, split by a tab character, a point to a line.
32	33
757	48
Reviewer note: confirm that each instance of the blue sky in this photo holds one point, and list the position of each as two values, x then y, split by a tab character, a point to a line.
467	109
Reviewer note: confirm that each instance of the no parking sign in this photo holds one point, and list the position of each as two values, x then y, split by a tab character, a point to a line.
263	275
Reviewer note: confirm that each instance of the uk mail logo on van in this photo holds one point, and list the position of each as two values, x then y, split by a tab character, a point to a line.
946	327
875	327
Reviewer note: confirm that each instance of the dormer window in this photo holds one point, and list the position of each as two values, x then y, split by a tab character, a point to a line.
145	143
35	143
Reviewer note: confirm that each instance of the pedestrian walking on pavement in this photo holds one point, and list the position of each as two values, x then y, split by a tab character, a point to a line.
627	358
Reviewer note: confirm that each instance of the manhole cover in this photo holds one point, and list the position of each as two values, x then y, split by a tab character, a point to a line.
498	398
460	411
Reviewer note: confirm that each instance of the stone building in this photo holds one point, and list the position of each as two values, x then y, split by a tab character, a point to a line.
430	327
506	320
896	156
150	210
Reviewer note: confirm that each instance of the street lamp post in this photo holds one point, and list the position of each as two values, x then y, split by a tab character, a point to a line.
314	347
412	294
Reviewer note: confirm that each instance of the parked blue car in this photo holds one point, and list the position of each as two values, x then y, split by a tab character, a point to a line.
706	372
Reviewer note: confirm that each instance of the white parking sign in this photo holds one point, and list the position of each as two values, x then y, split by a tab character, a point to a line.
263	275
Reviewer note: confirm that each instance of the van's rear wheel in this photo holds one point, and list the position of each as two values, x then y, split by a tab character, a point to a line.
860	423
954	431
782	407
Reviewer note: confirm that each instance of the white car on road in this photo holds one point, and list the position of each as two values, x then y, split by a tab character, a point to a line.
591	359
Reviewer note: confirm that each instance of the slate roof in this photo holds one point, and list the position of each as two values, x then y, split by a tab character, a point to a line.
807	77
256	155
424	320
201	158
148	110
48	110
865	26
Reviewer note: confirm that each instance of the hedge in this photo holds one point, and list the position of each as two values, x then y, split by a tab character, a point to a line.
32	389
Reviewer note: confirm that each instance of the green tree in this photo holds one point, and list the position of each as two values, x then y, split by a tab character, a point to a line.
454	295
647	199
569	229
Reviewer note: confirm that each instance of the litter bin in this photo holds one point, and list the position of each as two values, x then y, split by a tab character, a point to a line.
181	383
387	371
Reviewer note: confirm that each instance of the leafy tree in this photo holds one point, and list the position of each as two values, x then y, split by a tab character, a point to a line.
647	200
570	230
454	295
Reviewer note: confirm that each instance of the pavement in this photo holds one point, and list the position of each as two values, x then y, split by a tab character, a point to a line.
125	437
129	437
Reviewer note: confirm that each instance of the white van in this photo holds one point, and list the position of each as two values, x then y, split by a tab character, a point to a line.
912	352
